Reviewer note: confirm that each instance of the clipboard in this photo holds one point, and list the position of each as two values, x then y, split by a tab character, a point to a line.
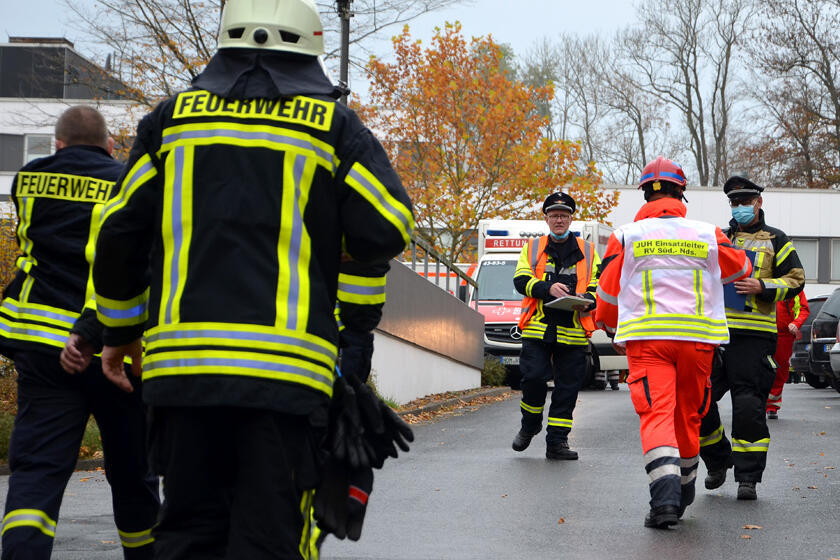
731	298
567	303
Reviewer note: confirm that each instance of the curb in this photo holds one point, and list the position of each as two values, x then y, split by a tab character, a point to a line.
492	392
81	465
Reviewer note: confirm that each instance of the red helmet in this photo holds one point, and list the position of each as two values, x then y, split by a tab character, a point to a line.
662	169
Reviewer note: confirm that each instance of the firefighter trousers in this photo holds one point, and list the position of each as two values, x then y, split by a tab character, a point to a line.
784	350
237	483
747	372
53	410
539	362
669	386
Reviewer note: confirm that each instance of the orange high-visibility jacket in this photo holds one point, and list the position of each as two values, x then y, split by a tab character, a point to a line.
532	262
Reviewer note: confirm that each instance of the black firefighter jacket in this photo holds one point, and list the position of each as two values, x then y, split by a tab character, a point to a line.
225	240
59	200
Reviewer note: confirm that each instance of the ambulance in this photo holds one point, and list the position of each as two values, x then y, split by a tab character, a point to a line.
499	245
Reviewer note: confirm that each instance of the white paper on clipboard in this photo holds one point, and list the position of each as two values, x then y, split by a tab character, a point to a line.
567	303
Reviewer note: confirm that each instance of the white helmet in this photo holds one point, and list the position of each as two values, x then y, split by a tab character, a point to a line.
278	25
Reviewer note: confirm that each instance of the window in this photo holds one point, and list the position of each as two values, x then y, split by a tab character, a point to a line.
11	152
835	259
37	146
808	250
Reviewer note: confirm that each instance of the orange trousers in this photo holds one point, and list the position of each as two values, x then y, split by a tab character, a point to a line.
784	350
669	385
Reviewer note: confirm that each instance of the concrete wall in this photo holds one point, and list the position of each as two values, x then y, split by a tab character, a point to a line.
427	342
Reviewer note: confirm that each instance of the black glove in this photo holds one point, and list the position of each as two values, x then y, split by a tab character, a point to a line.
341	500
383	428
345	443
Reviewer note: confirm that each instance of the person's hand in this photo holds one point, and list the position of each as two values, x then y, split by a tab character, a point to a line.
748	286
112	363
558	290
620	349
793	329
582	306
76	355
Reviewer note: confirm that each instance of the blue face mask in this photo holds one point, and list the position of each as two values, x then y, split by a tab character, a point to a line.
743	214
556	237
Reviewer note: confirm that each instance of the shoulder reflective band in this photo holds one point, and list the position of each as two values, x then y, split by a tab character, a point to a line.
670	247
298	110
63	187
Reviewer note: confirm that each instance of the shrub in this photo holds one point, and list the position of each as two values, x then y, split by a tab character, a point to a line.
494	372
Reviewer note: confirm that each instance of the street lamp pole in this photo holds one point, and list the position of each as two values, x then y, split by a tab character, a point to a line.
345	13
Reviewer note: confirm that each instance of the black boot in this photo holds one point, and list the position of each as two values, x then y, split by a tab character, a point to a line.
661	517
560	451
522	440
715	478
746	491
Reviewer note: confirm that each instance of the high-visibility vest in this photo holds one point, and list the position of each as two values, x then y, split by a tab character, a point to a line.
538	258
671	286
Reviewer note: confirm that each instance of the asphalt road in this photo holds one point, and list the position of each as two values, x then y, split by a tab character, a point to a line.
462	493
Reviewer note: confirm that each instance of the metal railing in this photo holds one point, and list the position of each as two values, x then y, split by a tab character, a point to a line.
429	252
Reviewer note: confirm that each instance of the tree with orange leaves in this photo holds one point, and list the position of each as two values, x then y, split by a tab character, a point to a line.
466	138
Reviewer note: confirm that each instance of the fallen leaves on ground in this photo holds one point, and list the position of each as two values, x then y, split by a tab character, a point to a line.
752	527
462	403
812	488
561	521
84	479
746	537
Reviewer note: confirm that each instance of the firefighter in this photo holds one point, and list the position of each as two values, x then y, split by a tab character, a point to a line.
748	368
58	200
224	248
790	314
660	295
554	341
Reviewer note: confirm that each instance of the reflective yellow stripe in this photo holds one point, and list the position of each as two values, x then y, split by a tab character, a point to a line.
123	313
25	262
751	321
141	173
33	333
530	286
308	546
233	335
531	409
137	539
90	250
560	422
698	290
647	287
362	290
744	446
29	518
53	316
250	136
797	307
784	253
176	230
371	189
238	362
712	438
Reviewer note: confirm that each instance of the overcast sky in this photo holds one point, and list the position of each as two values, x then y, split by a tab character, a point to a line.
518	23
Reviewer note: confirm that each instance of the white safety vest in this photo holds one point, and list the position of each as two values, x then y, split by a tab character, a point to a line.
670	282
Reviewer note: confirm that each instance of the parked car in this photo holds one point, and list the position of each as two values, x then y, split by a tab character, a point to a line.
834	360
824	337
800	360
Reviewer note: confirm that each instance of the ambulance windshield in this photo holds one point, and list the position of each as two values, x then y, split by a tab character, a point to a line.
495	281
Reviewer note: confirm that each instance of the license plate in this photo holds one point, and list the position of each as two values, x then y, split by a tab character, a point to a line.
828	347
510	360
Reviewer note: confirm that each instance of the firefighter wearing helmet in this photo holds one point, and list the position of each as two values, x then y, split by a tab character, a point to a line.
223	251
660	296
748	368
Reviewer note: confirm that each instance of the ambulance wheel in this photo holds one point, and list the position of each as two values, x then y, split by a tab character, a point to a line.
816	381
